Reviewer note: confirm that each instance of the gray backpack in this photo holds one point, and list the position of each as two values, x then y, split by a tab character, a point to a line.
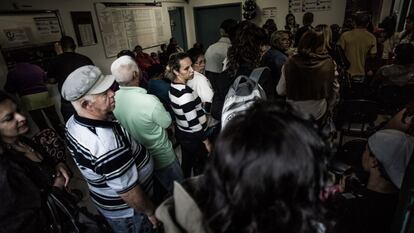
242	94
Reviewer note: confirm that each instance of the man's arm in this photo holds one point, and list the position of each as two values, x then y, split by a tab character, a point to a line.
160	116
281	86
137	199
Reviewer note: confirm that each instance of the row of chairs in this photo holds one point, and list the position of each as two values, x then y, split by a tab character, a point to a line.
360	106
356	116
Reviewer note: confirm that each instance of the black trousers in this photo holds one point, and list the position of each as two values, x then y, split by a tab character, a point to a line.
194	153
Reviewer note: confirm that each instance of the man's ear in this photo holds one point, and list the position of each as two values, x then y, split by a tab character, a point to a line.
86	105
137	74
176	72
374	162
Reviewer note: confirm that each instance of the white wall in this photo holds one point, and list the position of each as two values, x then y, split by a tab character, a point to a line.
95	52
334	16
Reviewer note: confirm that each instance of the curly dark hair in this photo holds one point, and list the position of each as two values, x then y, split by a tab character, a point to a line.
267	171
245	47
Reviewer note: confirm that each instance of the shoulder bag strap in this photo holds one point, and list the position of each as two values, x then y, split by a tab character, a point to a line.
257	73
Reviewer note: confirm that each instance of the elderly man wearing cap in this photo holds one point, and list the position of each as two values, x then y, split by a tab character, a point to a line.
385	159
146	119
118	169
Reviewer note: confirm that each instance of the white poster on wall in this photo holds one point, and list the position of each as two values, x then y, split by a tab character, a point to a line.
269	13
125	25
297	6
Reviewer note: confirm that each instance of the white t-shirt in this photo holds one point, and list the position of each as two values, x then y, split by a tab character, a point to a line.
215	55
202	87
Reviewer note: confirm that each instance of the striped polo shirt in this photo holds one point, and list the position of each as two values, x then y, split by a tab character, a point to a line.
186	105
111	162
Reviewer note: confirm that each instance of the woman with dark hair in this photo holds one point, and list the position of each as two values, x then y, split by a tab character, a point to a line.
266	176
243	56
270	27
200	83
290	24
308	78
407	36
27	173
173	47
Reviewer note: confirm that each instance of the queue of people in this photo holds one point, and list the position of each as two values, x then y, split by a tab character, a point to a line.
265	171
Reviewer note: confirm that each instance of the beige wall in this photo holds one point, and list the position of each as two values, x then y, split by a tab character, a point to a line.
96	52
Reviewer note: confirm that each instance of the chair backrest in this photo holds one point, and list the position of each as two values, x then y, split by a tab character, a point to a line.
358	111
356	90
409	93
392	98
351	152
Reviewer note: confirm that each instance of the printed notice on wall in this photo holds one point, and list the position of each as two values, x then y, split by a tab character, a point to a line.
269	13
297	6
125	25
22	30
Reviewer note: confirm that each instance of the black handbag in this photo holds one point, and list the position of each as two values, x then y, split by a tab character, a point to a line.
66	217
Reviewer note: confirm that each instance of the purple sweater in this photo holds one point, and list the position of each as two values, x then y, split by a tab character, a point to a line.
26	79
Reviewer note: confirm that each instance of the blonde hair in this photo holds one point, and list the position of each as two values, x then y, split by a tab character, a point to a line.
275	37
327	34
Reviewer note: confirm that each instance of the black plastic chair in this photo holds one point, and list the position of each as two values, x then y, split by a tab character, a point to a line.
356	90
391	99
357	118
351	152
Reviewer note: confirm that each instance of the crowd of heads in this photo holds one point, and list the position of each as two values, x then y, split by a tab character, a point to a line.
269	162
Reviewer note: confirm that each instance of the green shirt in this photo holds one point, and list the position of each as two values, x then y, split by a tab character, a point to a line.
146	119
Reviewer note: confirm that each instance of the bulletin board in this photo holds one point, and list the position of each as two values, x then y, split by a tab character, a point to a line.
125	25
29	28
297	6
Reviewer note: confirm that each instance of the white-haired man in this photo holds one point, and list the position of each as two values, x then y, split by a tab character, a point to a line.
118	169
146	119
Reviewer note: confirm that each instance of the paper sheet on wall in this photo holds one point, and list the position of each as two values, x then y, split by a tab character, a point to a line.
297	6
125	27
269	13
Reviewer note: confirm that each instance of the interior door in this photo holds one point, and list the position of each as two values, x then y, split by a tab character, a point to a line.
177	23
208	19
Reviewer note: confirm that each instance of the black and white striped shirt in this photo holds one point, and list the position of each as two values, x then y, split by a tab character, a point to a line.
186	104
111	162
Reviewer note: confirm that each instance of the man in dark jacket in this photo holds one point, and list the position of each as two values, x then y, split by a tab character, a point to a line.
62	66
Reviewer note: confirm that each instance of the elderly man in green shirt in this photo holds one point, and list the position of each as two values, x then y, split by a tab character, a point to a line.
146	119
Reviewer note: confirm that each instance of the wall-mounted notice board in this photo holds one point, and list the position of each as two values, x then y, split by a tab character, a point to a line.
29	28
125	25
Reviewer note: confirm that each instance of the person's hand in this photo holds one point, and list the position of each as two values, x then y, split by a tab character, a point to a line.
58	48
342	183
153	220
370	73
63	172
207	144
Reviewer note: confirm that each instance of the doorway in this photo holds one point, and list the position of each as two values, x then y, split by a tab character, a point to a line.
177	23
207	21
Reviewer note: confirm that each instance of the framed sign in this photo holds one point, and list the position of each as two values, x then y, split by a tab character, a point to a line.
84	29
